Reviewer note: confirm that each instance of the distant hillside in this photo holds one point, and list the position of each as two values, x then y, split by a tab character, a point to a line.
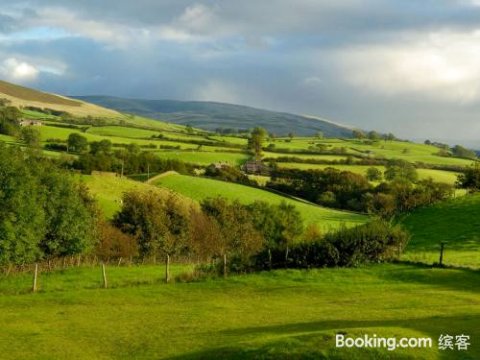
23	96
212	115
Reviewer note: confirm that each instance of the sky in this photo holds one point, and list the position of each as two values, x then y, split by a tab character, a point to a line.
409	67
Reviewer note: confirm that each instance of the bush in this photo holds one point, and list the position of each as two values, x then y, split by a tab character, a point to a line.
376	241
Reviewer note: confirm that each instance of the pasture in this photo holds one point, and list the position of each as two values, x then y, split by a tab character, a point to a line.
283	314
454	222
204	157
108	190
198	189
412	152
448	177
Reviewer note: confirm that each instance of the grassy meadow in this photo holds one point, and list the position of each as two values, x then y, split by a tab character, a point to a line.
285	314
454	222
448	177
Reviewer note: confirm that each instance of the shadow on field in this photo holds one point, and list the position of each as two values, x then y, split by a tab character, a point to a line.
316	340
448	277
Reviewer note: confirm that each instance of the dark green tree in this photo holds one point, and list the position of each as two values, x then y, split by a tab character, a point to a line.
77	143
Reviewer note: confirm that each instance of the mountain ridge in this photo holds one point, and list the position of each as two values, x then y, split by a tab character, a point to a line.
210	115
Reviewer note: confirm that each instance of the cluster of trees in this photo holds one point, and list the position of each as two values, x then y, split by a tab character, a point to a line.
372	135
375	241
470	178
229	173
101	156
9	118
219	230
44	212
400	192
256	140
236	237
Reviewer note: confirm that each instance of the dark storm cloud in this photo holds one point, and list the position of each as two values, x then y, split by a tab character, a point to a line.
408	66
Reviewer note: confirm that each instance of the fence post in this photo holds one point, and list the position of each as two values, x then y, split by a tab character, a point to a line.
105	283
35	275
442	246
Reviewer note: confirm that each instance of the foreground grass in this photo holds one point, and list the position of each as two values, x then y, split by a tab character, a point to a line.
454	222
200	188
278	315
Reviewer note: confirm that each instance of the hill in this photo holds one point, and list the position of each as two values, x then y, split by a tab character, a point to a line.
213	115
201	188
22	96
454	222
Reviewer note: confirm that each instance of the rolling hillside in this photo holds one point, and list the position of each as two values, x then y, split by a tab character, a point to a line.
201	188
21	96
454	222
212	115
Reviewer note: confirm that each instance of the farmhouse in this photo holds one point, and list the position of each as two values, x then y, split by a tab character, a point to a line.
30	122
256	167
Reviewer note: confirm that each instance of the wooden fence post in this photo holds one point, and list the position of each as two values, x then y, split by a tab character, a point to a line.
105	283
442	246
35	275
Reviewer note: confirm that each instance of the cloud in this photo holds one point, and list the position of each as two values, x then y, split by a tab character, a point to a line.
406	66
19	71
441	65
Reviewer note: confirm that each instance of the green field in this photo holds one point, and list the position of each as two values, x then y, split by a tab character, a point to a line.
454	222
204	157
200	188
448	177
51	132
108	190
286	314
411	152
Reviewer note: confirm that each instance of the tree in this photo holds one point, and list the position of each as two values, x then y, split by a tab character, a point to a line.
389	137
400	170
30	136
256	140
319	135
44	212
113	243
291	135
470	178
460	151
159	222
239	239
189	129
373	135
291	226
9	119
358	134
374	174
77	143
101	147
266	219
177	216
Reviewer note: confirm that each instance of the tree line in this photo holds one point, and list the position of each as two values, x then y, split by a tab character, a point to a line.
399	189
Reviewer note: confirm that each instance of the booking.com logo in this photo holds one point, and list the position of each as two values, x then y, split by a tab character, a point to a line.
445	342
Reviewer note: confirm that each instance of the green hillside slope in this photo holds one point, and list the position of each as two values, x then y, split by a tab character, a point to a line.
455	222
22	96
212	115
201	188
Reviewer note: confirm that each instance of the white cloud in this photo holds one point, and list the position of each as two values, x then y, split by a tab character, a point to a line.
17	70
442	65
